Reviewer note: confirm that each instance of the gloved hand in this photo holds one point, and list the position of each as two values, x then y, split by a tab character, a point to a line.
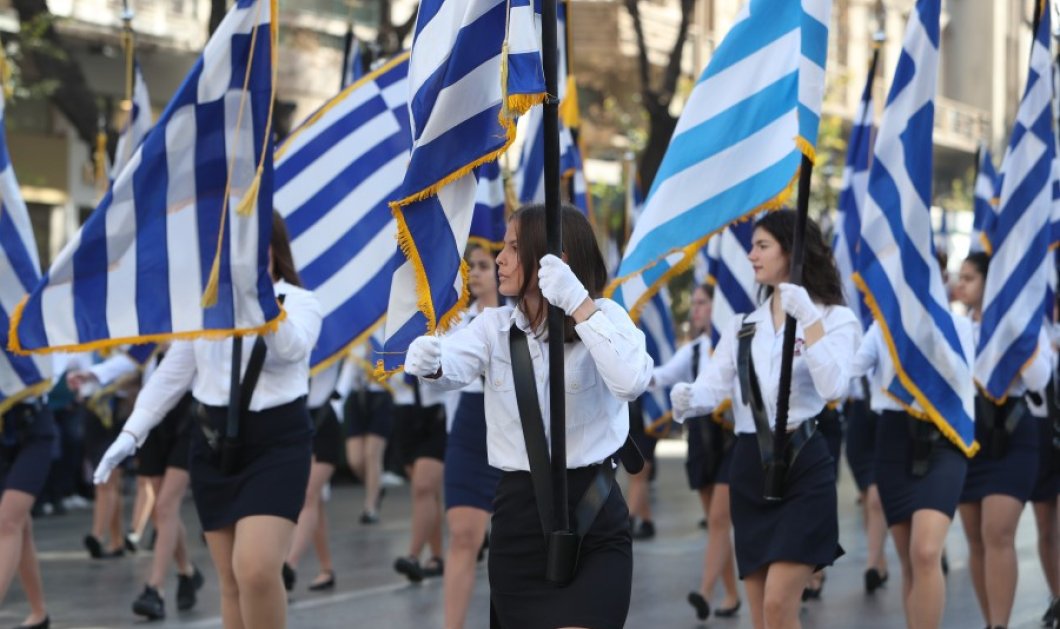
424	356
122	448
796	302
559	285
688	400
681	398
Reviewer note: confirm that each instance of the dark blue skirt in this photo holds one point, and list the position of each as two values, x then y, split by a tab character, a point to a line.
470	481
1047	484
801	528
1011	475
27	450
861	442
273	470
708	444
903	494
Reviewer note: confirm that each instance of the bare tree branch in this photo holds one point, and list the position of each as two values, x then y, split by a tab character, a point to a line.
218	9
643	67
673	69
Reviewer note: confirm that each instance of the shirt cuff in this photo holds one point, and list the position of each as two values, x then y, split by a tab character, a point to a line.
595	330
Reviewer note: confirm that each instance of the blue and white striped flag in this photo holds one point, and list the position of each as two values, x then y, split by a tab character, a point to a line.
352	63
463	116
335	175
732	275
1018	280
20	376
739	143
852	197
531	173
897	270
984	202
136	127
178	248
488	221
656	321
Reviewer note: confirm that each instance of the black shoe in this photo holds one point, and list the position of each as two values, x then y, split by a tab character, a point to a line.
945	565
187	587
326	584
728	612
369	517
646	530
289	577
874	580
95	548
703	524
130	545
1051	613
149	604
410	567
813	594
434	568
695	599
44	624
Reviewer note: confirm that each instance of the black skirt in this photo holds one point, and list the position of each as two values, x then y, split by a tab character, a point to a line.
903	494
1011	475
168	444
273	470
861	442
598	597
27	450
801	528
830	425
327	436
708	444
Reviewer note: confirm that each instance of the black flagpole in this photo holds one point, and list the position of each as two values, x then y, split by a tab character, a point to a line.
776	472
347	45
554	234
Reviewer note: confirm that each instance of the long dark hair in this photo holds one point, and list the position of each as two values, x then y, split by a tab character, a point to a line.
579	245
282	261
820	277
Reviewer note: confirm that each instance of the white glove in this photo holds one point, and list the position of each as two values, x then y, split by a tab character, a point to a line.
424	356
559	285
796	302
122	448
688	400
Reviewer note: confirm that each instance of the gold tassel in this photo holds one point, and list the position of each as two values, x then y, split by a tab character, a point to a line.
250	197
209	296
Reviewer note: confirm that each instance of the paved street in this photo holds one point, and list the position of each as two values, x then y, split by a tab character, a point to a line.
85	593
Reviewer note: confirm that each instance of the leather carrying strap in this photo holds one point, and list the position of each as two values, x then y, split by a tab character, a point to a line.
246	390
594	498
752	393
533	427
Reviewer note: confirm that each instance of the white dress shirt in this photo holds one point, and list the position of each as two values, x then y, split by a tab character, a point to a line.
820	373
205	365
679	367
322	385
608	368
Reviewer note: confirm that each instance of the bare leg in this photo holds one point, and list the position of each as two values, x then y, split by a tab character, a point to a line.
718	560
971	522
875	530
637	497
261	544
170	492
374	447
29	574
467	527
426	506
901	533
221	544
1045	515
927	596
783	594
14	517
319	474
103	508
755	585
1000	515
322	547
117	517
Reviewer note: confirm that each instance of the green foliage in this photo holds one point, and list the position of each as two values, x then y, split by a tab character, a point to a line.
31	43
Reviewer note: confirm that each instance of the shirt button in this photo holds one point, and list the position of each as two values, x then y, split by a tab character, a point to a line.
574	385
497	383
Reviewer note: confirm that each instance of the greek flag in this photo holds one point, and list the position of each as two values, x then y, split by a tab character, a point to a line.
531	173
187	221
335	175
852	196
897	270
739	143
136	127
488	220
20	376
731	274
657	324
985	201
1019	272
463	116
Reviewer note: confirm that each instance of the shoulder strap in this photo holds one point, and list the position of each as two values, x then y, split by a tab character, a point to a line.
250	381
751	391
695	359
533	426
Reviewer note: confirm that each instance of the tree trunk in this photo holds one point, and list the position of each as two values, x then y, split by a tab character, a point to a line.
73	97
218	9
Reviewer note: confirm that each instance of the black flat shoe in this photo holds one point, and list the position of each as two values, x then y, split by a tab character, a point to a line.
410	568
728	612
289	577
696	600
434	568
95	548
874	580
188	587
44	624
646	530
326	584
149	604
1052	613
